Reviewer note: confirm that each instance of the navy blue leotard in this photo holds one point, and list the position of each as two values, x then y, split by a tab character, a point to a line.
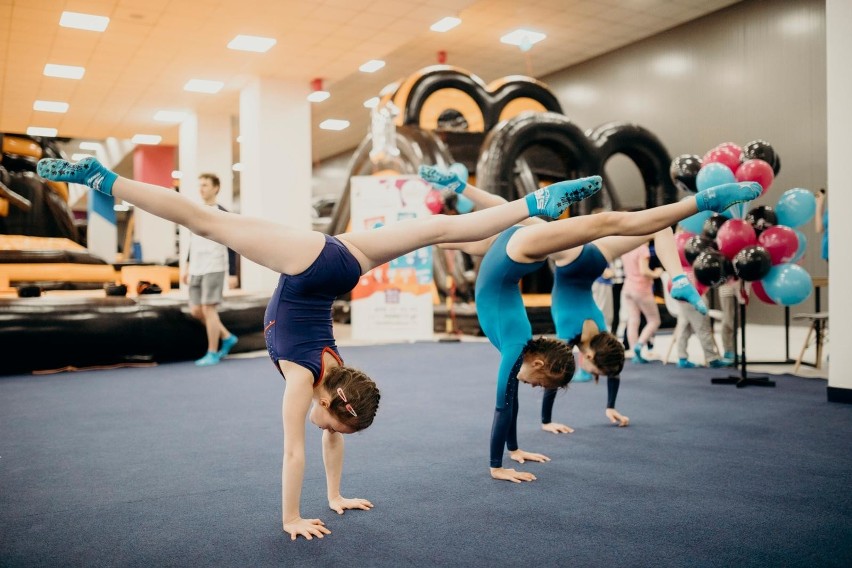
571	305
298	324
504	321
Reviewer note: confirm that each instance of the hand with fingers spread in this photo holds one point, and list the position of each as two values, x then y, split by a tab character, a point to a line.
308	528
511	475
340	504
617	418
521	456
557	428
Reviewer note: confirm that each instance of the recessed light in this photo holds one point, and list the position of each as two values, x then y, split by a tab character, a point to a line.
41	131
372	66
445	24
177	174
334	124
372	103
170	115
238	167
78	157
50	106
252	43
64	71
146	139
523	38
203	86
80	21
318	96
91	146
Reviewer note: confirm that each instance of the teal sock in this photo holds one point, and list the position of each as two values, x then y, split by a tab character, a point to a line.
88	171
682	289
442	179
721	197
554	199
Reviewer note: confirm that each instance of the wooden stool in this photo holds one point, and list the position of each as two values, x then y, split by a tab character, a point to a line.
819	325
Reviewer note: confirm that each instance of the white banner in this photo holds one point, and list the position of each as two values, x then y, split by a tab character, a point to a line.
392	302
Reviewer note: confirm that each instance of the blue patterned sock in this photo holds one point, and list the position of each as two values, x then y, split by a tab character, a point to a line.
721	197
553	200
682	289
88	171
442	179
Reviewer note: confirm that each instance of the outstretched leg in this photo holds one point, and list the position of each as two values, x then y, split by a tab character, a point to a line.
275	246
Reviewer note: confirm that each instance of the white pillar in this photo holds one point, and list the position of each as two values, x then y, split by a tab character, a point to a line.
206	143
838	22
275	153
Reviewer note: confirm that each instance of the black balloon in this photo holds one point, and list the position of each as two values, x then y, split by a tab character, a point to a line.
709	268
712	225
684	170
695	245
752	263
762	150
761	218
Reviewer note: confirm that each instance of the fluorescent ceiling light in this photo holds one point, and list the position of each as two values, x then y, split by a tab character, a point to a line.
50	106
334	124
80	21
90	146
146	139
40	131
372	66
238	167
170	116
252	43
64	71
78	157
177	174
523	38
318	96
445	24
203	86
372	103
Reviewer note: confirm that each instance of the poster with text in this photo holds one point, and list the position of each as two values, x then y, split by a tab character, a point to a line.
393	301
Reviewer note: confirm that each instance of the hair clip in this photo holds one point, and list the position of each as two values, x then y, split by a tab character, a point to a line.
348	406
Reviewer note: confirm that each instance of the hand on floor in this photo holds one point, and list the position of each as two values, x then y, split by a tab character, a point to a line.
521	456
308	528
340	503
617	418
511	475
557	428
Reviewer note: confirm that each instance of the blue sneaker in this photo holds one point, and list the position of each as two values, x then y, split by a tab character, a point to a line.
442	179
227	345
582	376
553	200
683	290
721	197
685	364
637	355
210	358
717	363
729	357
88	171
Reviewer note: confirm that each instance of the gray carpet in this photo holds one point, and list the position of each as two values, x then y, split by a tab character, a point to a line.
180	466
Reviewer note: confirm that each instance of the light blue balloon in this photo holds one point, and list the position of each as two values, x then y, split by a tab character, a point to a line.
788	284
460	170
803	246
713	174
695	223
795	207
464	204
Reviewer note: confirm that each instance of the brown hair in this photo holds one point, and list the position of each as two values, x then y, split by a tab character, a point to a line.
214	179
609	353
558	358
360	391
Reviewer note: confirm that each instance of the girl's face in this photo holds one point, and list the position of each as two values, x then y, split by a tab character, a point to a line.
325	420
588	363
532	372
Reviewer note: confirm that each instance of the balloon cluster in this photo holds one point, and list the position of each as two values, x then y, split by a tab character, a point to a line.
759	246
448	201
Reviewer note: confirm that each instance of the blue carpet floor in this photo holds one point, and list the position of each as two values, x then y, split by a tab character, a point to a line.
180	466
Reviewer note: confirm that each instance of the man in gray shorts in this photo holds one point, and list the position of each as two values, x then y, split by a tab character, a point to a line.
207	268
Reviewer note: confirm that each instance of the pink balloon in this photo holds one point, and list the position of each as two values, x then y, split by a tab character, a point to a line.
733	235
780	242
434	201
680	242
757	288
756	170
726	154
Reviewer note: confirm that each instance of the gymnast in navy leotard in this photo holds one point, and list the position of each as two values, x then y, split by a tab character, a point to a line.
315	268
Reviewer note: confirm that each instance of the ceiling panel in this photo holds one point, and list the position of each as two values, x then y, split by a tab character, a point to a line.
152	47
